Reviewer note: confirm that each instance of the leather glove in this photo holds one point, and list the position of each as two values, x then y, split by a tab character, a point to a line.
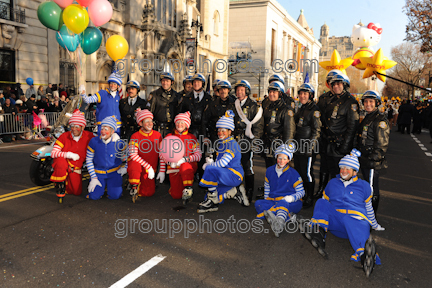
122	171
289	198
151	173
73	156
93	183
379	228
161	177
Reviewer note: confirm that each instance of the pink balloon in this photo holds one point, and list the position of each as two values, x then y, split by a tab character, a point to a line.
63	3
84	3
172	149
100	12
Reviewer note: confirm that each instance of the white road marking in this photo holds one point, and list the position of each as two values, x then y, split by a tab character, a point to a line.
128	279
13	146
421	145
423	148
428	154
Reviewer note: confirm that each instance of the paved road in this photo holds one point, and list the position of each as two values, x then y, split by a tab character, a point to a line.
84	243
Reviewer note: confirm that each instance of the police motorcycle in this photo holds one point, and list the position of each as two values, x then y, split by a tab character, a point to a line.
41	166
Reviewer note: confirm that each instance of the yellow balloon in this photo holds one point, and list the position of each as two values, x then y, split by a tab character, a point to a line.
336	63
117	47
76	18
378	64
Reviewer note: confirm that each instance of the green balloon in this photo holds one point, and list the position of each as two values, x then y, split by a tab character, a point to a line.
91	40
50	15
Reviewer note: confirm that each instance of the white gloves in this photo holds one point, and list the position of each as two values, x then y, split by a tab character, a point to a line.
151	173
73	156
122	171
93	183
205	165
289	198
180	162
209	160
379	228
161	177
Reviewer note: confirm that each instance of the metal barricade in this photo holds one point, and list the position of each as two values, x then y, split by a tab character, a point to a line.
23	122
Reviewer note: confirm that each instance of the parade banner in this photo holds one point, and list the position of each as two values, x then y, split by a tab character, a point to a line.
190	51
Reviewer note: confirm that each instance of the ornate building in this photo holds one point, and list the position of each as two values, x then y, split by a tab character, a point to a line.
156	30
342	44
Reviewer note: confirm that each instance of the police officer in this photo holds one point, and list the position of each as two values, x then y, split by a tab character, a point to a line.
340	118
196	102
372	141
187	86
308	129
286	98
215	91
164	104
217	109
324	175
128	106
279	124
249	125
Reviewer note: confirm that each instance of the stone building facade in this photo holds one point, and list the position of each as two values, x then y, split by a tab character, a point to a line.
273	34
156	30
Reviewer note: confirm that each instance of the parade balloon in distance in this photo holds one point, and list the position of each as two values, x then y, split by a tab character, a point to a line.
336	63
117	47
364	37
378	63
91	40
50	15
76	18
172	149
67	39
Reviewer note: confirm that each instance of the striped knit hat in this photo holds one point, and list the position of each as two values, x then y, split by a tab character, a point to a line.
110	121
226	121
115	77
184	117
77	118
143	114
286	150
351	160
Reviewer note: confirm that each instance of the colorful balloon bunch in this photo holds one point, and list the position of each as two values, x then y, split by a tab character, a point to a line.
71	21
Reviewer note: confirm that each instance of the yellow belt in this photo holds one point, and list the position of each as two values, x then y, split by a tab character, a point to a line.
109	171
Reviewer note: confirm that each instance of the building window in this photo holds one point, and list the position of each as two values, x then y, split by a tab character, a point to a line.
67	74
6	7
216	19
273	46
7	65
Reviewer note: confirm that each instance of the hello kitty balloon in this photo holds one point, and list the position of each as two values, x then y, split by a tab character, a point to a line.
363	37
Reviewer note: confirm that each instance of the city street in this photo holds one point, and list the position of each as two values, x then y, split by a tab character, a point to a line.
83	243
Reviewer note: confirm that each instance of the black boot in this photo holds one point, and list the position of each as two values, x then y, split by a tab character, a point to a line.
324	178
317	238
375	203
308	199
369	256
249	185
61	191
260	195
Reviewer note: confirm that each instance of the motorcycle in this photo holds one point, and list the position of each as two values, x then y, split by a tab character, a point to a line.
41	166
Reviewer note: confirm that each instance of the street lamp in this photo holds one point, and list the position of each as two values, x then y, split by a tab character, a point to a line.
198	28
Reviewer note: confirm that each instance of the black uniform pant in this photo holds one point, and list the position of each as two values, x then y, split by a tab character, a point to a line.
372	176
247	163
330	165
304	166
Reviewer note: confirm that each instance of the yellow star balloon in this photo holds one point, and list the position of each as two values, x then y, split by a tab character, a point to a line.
378	63
336	63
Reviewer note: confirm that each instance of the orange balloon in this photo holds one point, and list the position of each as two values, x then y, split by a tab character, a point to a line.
117	47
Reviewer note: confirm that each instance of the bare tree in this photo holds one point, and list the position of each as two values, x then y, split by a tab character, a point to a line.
419	28
411	67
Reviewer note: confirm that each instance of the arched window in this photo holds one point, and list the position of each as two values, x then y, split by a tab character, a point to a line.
216	19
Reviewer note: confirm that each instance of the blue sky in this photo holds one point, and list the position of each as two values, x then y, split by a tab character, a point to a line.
340	16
